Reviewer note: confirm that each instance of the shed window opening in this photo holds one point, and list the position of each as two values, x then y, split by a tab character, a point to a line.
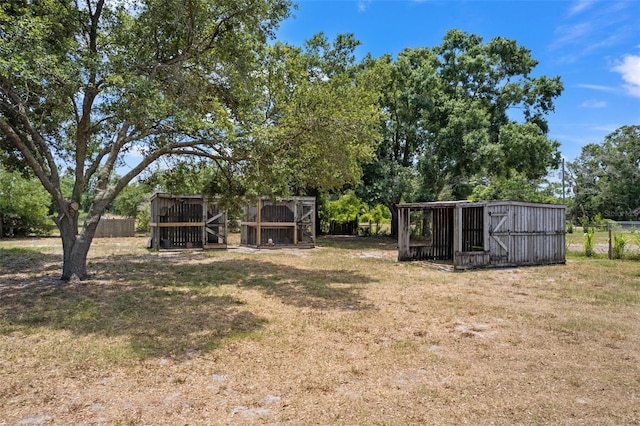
421	226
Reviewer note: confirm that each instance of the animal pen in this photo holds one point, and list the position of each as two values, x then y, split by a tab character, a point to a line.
279	222
187	221
482	234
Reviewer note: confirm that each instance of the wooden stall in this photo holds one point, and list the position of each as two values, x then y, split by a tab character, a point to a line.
187	221
279	222
482	234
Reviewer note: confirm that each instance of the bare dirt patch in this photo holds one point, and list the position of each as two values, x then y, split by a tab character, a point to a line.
340	334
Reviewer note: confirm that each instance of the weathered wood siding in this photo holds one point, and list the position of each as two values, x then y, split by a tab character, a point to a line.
431	235
187	221
280	222
480	234
526	233
116	228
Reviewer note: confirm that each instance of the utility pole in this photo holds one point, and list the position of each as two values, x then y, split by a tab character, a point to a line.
563	190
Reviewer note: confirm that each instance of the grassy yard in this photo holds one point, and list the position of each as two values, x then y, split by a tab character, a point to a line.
339	334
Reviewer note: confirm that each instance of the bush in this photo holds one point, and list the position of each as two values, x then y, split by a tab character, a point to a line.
24	205
619	242
584	221
589	243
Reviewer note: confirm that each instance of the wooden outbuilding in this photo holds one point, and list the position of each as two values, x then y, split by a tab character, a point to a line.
482	234
187	221
279	222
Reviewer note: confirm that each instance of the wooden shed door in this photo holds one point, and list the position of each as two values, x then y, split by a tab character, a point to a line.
214	228
499	230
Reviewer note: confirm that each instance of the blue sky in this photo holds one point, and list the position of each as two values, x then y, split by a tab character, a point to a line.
594	46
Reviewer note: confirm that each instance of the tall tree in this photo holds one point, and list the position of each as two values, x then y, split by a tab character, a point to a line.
606	176
458	111
84	84
317	118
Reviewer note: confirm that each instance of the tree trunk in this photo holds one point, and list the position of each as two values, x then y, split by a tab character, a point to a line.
394	220
75	247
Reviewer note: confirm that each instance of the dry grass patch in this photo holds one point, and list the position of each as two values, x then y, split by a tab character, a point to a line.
340	334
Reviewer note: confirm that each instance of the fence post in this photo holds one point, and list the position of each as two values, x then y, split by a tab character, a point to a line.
610	251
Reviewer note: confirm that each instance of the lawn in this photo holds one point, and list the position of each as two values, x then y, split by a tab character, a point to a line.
339	334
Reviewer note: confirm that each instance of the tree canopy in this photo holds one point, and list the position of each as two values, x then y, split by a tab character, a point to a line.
460	111
84	85
606	176
97	87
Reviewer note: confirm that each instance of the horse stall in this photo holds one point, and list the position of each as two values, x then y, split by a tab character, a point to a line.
279	222
187	221
468	234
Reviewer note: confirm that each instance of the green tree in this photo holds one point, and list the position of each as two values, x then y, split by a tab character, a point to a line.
518	187
24	204
459	112
606	176
83	86
317	117
131	199
346	208
377	215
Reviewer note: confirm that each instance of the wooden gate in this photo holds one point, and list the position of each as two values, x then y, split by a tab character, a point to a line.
499	231
215	226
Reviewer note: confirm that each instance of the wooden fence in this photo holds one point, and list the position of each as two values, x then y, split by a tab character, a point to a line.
115	228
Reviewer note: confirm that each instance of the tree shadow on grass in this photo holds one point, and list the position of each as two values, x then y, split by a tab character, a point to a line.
167	307
16	262
352	242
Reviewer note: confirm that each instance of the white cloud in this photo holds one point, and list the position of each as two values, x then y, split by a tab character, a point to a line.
597	88
593	103
580	6
606	128
572	34
629	68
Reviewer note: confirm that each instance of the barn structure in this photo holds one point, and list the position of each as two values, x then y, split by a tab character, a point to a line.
187	221
482	234
279	222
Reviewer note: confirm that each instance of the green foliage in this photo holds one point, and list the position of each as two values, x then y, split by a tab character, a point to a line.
606	176
324	119
515	186
143	219
24	204
346	208
585	223
449	127
619	243
589	243
379	214
570	227
85	86
350	207
131	200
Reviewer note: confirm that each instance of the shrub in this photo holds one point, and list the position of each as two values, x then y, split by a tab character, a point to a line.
589	243
584	221
24	205
619	242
